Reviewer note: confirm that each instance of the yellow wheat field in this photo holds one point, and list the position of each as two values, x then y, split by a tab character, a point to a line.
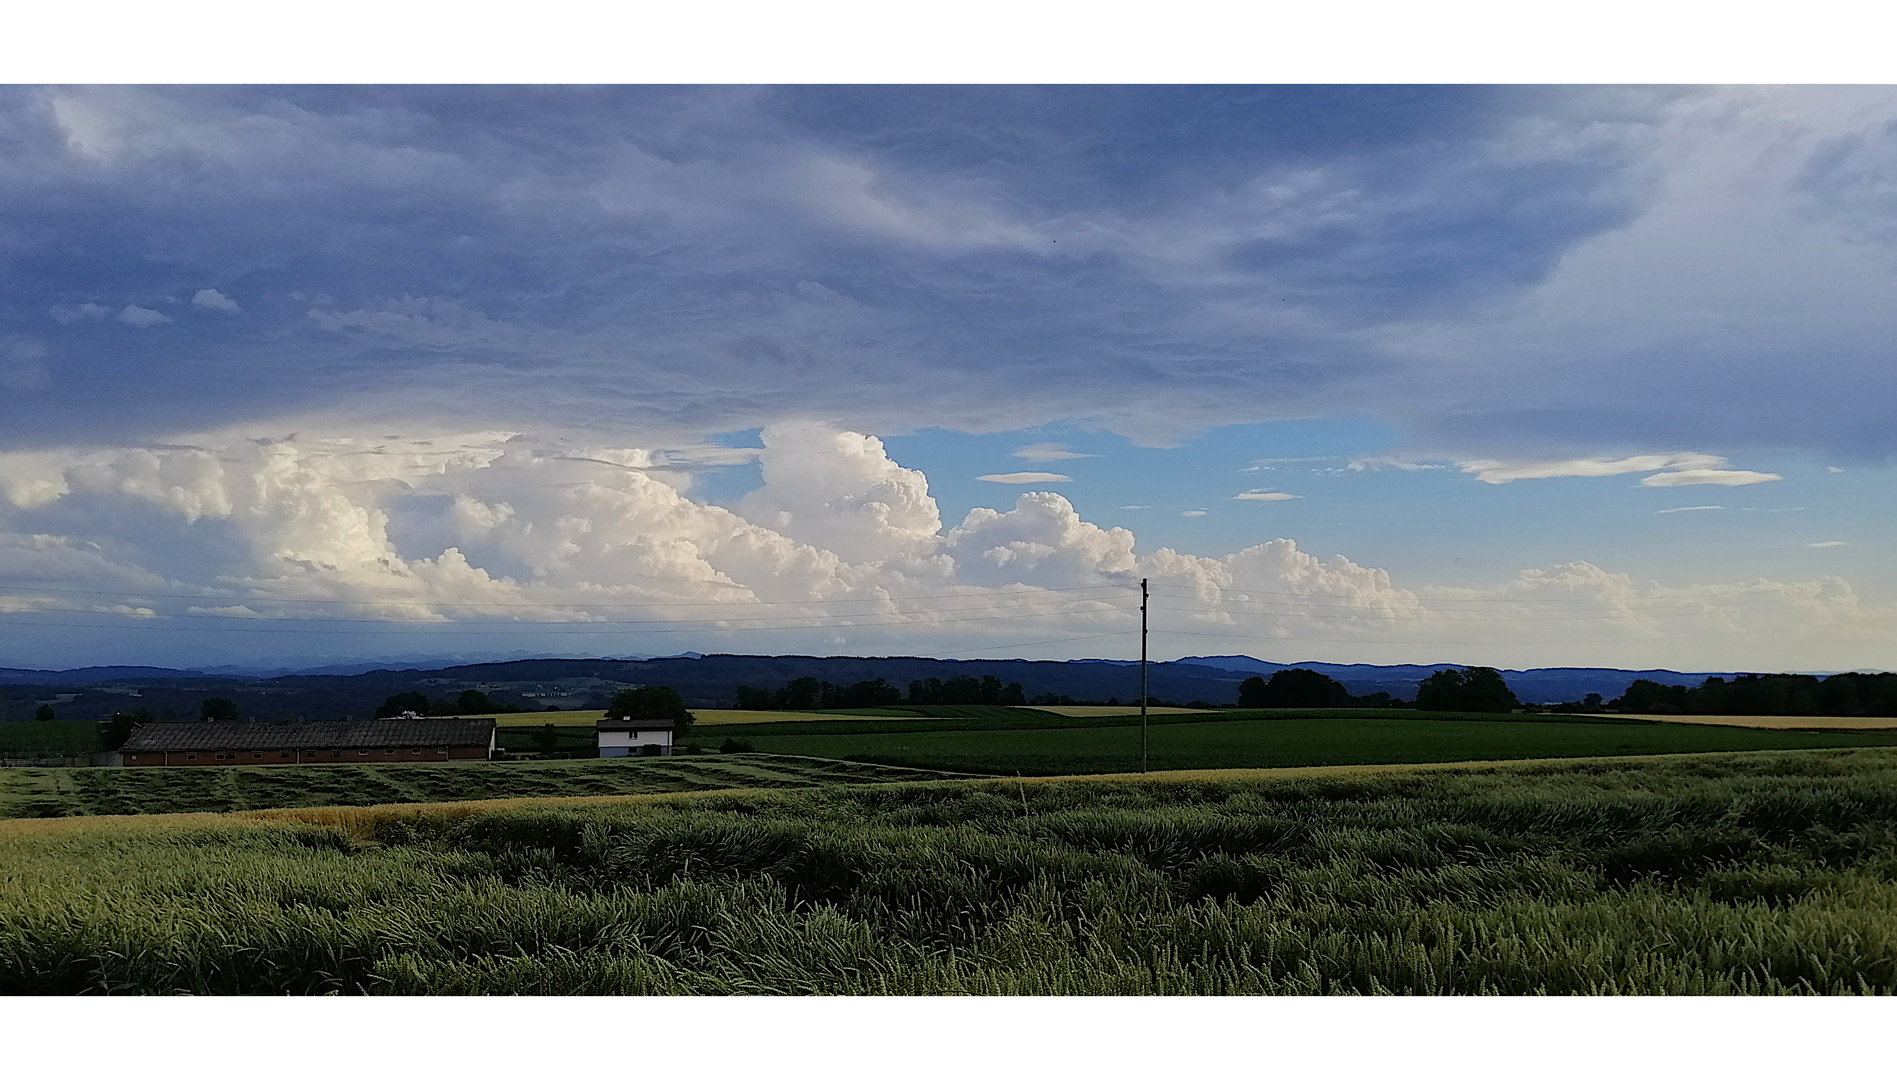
1107	710
1780	723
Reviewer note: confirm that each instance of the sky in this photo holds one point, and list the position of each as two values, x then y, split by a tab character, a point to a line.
1513	375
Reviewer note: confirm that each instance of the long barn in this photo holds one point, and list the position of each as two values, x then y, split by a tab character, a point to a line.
303	742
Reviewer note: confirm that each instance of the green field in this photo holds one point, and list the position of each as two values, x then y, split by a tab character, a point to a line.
1057	745
1727	874
32	793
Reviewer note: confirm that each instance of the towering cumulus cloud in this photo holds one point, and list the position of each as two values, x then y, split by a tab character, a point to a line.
840	547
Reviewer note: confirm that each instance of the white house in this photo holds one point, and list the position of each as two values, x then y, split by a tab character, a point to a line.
626	737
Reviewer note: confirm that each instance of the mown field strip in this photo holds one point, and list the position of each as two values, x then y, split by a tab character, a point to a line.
1779	723
714	717
360	820
58	793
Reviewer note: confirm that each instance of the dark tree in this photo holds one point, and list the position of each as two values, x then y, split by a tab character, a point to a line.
397	704
1476	689
652	703
1251	693
547	739
220	709
45	712
473	701
115	729
1298	688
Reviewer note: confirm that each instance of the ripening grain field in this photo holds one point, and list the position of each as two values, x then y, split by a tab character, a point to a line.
1766	872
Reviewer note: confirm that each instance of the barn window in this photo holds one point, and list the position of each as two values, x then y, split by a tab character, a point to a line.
257	756
190	757
362	753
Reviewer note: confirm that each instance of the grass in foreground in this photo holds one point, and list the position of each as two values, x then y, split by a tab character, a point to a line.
26	793
1771	873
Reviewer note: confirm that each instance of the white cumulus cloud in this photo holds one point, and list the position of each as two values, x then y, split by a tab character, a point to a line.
538	535
141	317
217	301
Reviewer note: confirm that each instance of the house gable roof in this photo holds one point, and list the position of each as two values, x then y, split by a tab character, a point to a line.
635	725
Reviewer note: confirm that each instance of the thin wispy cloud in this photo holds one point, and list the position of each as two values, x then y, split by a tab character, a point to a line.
1688	509
1038	452
1263	496
1717	477
1668	470
1829	544
1025	478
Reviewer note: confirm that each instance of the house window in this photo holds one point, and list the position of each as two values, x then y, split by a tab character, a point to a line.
362	753
256	757
190	757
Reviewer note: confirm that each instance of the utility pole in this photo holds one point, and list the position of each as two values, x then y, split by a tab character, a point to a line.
1142	674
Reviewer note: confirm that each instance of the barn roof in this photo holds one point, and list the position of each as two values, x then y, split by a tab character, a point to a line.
310	735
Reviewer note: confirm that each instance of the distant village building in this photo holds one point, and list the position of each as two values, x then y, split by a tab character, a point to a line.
309	741
626	737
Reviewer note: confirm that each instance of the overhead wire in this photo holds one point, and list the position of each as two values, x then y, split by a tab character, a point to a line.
1347	601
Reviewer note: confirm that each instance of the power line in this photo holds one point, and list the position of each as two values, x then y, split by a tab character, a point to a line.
1422	641
1419	614
648	622
1048	641
1347	601
126	594
161	622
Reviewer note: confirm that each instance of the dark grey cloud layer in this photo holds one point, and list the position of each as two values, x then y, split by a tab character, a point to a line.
1499	271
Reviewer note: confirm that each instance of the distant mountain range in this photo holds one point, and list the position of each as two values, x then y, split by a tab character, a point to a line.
356	689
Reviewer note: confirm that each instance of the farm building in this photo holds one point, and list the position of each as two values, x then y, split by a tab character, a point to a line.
626	737
304	742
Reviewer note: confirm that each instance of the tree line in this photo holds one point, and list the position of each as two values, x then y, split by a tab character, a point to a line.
468	703
810	693
1476	689
1848	694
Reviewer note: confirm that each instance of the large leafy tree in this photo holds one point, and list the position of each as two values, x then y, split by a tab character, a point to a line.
473	701
1293	688
1476	689
652	703
397	704
219	708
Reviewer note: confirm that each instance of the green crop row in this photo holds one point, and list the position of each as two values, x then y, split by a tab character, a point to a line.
1083	745
70	792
